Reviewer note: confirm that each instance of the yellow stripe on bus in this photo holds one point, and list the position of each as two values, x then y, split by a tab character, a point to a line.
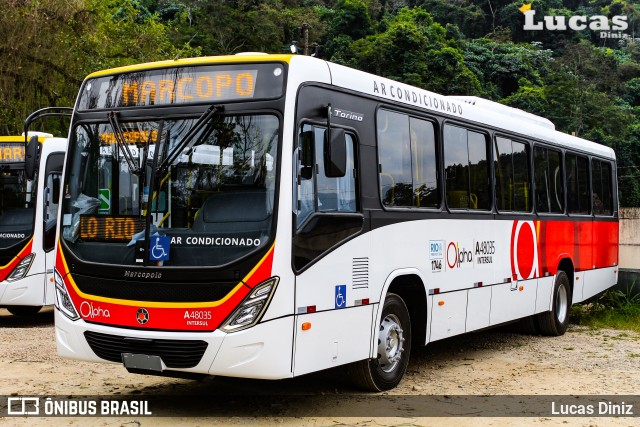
205	60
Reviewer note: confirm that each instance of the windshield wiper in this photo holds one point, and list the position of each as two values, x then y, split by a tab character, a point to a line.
122	144
188	139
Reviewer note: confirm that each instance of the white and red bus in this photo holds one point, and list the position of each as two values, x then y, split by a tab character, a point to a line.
267	216
29	201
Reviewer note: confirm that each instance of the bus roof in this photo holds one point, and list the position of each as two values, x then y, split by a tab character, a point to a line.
474	109
20	138
205	60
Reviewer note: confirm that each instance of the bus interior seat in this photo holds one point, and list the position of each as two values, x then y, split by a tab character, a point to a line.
242	211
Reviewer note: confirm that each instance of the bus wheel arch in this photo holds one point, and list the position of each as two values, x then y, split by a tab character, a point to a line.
556	321
412	291
401	322
566	265
392	348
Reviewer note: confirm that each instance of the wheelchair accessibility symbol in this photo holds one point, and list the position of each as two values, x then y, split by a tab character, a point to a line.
159	250
341	296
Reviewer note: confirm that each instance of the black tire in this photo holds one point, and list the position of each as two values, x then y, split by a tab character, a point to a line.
527	326
386	371
556	321
24	310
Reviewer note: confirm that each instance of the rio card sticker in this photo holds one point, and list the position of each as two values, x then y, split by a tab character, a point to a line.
436	255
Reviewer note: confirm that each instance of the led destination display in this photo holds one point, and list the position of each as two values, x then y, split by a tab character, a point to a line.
184	85
11	153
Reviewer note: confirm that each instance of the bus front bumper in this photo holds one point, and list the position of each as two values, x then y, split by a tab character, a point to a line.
262	351
27	291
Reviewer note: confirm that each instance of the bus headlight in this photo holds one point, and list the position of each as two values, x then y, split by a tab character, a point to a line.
63	301
22	268
252	308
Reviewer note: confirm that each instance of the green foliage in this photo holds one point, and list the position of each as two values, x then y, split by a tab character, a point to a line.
586	85
529	97
350	18
48	47
462	14
415	50
615	309
501	65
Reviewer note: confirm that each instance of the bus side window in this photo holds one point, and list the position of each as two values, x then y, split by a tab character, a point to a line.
602	189
549	194
317	192
394	153
577	184
511	165
466	169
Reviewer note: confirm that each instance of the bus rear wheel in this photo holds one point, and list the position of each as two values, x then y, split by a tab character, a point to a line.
556	321
24	310
394	346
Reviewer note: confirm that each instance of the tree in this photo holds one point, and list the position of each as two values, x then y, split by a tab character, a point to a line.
415	50
48	47
500	66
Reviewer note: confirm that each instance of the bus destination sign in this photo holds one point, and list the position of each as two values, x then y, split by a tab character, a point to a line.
184	85
107	228
12	153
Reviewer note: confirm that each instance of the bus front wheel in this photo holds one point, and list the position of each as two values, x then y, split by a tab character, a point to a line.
556	321
394	345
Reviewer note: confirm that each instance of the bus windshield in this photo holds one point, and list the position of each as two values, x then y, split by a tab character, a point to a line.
17	199
209	204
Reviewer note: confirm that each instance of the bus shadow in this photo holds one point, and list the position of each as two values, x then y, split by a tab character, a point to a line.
43	318
325	393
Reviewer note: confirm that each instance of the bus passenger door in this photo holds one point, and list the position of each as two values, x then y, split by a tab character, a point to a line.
333	326
50	204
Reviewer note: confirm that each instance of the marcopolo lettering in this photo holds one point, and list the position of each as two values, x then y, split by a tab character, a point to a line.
142	274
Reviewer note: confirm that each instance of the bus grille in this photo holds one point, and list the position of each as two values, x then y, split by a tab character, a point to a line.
153	291
174	353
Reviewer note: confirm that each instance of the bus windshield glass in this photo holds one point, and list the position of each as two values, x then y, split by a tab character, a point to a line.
17	202
209	205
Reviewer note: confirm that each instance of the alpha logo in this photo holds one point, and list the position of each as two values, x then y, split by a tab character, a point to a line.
576	23
458	256
142	316
524	250
88	311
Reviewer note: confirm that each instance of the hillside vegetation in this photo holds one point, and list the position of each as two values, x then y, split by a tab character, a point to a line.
588	85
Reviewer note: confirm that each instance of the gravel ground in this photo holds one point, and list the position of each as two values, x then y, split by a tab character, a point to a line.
495	362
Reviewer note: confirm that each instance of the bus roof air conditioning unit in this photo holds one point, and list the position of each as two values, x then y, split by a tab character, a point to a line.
505	110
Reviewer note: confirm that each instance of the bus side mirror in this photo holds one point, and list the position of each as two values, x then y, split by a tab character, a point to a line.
31	157
335	153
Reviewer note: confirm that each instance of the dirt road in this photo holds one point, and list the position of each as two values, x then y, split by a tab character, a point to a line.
582	362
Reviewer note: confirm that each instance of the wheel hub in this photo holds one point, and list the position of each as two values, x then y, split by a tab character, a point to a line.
390	343
562	303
